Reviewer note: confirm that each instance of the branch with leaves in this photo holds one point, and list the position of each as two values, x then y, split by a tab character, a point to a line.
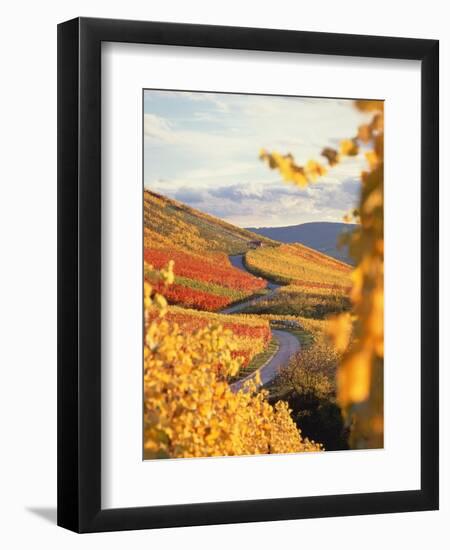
359	336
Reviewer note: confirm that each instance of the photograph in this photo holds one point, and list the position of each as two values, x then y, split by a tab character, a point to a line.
263	274
239	290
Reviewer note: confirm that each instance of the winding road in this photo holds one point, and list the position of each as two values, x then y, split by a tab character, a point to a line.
288	345
287	342
238	261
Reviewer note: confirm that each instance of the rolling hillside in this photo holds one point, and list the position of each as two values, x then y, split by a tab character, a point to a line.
191	229
206	281
322	236
313	283
298	264
199	246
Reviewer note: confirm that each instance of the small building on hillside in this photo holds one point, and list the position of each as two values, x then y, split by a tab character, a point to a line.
255	244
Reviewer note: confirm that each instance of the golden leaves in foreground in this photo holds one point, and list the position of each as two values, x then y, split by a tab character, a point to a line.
370	105
339	328
300	175
189	409
360	337
348	147
331	155
360	376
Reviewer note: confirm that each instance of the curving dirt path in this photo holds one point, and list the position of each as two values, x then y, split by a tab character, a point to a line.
238	261
288	343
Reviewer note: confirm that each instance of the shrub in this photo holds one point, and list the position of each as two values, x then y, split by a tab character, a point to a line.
301	303
308	386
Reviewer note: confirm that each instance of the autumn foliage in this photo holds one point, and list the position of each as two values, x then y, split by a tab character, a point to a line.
204	278
192	298
358	336
192	351
296	263
168	222
189	409
250	334
215	269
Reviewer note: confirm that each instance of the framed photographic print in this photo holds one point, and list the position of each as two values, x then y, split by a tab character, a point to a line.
248	275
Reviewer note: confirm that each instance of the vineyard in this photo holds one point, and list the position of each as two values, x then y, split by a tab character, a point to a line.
313	284
251	335
191	251
256	346
168	222
204	277
299	265
206	282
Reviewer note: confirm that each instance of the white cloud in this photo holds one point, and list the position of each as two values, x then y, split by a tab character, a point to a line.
199	144
158	128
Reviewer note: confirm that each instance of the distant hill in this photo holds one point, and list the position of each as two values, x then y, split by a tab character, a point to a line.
322	236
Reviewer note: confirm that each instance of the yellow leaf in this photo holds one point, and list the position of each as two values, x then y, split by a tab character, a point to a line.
331	155
374	200
313	170
340	329
348	147
372	159
365	133
369	105
353	378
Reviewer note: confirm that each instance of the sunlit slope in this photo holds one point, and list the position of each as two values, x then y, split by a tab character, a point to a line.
251	334
199	246
321	236
314	285
191	229
299	265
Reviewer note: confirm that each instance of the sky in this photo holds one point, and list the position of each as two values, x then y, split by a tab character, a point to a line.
202	149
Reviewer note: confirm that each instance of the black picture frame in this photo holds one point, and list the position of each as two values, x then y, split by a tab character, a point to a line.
79	274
